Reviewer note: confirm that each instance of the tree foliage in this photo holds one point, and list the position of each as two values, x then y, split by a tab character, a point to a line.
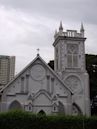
24	120
91	66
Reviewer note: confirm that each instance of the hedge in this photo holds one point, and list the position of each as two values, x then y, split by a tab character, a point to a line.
25	120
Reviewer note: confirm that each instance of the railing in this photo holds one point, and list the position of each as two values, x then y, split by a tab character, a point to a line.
69	33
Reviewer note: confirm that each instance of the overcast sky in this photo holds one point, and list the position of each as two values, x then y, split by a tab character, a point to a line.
26	25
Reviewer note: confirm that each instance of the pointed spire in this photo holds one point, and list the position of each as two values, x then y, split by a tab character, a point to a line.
82	28
61	27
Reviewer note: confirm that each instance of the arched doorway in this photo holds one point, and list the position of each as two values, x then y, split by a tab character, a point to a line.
41	112
15	105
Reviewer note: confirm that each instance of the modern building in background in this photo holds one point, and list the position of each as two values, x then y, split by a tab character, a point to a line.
7	69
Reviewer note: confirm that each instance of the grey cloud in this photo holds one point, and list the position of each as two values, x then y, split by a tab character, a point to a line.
29	24
73	10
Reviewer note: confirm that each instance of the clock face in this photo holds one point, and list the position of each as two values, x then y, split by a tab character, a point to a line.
38	72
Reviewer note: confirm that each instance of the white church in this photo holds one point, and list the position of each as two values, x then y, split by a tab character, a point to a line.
64	90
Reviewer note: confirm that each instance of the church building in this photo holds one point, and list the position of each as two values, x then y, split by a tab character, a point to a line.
64	90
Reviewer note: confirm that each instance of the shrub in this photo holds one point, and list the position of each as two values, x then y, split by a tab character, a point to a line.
24	120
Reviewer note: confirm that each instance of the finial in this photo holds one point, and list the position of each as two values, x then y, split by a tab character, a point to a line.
82	27
82	30
60	27
38	51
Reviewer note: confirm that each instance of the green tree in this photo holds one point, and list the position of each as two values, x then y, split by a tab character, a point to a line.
91	66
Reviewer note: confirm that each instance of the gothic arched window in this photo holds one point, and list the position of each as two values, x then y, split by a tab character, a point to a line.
30	107
72	55
76	110
15	105
61	108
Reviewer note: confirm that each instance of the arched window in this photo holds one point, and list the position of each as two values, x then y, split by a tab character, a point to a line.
61	109
72	55
55	107
30	107
15	105
76	110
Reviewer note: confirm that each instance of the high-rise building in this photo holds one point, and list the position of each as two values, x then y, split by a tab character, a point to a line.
7	69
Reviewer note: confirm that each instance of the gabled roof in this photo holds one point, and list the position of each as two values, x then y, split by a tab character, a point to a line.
30	64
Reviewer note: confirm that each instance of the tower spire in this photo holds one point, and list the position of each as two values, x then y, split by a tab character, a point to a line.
82	27
60	27
82	30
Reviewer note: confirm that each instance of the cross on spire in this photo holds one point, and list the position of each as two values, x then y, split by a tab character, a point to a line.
38	51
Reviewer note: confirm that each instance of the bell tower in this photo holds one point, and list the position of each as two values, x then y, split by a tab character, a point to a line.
69	64
69	50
